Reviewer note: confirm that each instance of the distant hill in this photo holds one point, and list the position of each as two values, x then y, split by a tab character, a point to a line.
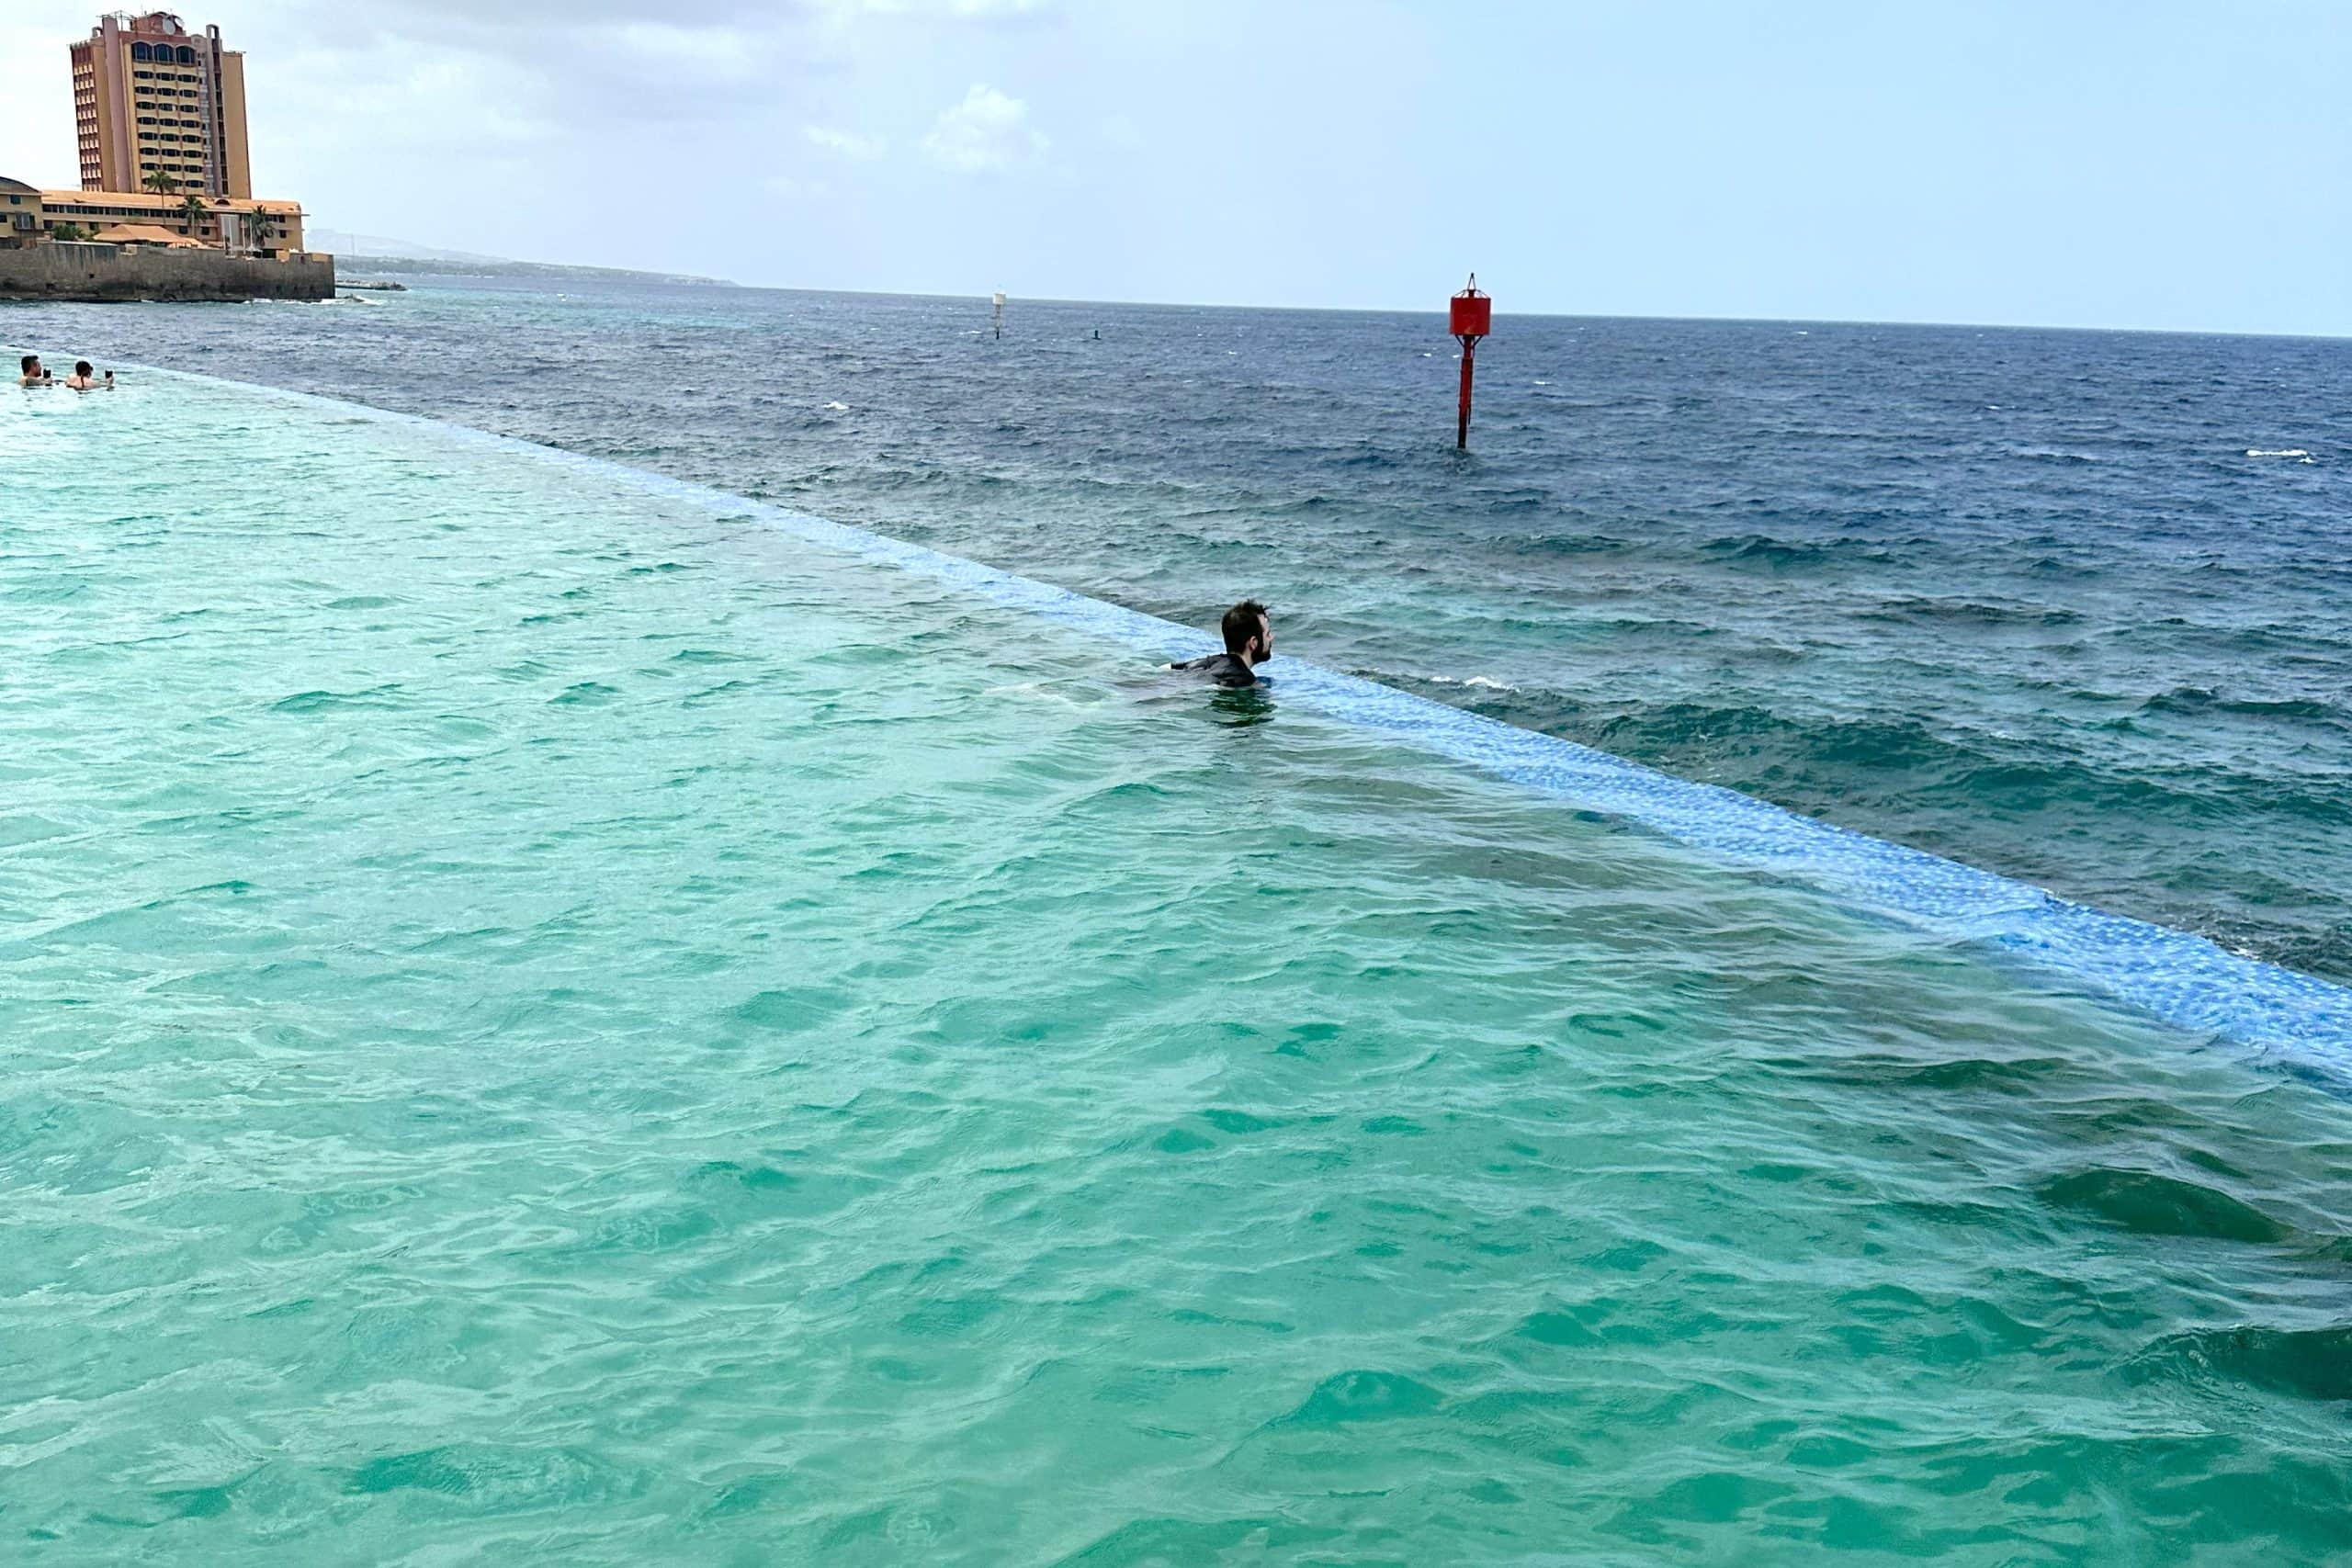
378	247
374	254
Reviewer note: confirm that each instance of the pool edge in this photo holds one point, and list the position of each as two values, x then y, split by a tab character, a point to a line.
2185	980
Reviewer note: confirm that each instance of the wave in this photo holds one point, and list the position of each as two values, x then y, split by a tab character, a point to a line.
2152	1204
1766	550
1898	774
1973	612
1418	680
2200	700
1567	544
2311	1363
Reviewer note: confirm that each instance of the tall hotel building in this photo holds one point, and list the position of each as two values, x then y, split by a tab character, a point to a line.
151	97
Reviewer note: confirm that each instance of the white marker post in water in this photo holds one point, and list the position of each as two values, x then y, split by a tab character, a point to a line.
999	315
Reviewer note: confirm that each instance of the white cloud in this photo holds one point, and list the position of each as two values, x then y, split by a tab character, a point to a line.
846	143
435	103
713	60
988	131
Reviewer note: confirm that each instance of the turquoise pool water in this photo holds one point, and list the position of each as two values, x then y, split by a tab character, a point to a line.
547	1024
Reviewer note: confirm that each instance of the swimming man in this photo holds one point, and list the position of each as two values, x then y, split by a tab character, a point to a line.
1249	642
34	375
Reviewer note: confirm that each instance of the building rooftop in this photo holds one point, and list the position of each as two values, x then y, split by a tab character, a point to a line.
155	202
146	234
152	24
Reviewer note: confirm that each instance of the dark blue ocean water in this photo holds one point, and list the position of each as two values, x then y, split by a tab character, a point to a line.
2073	606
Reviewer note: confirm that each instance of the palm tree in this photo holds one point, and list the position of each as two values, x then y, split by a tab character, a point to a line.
68	231
160	181
193	213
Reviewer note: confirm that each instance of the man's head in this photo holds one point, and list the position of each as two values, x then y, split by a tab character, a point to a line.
83	368
1249	634
30	364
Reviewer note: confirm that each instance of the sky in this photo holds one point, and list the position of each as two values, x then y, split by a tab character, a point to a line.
2139	163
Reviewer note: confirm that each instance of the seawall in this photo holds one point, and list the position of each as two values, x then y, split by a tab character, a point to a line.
93	272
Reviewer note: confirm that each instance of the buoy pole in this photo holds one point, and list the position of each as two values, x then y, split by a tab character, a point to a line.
1469	361
999	315
1472	317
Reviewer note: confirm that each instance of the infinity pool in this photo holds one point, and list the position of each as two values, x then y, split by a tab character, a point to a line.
546	1023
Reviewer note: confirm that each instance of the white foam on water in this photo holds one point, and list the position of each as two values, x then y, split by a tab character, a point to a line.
1037	689
1487	682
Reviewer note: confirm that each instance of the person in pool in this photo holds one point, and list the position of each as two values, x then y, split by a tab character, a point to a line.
86	379
33	375
1249	642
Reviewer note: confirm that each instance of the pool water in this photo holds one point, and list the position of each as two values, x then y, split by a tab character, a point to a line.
547	1023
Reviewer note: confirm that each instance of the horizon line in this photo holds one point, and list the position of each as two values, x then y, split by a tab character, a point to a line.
693	280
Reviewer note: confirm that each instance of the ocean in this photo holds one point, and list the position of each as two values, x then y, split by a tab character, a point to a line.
557	1017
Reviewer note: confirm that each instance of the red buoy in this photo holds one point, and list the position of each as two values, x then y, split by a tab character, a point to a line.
1473	318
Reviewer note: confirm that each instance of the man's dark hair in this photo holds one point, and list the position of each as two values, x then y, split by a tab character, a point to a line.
28	362
82	367
1241	622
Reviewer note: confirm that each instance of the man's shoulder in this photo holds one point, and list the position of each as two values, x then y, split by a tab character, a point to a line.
1222	667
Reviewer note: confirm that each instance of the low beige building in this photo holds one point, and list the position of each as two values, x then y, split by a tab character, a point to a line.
245	228
21	222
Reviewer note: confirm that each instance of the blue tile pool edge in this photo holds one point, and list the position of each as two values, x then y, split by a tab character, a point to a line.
2188	981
